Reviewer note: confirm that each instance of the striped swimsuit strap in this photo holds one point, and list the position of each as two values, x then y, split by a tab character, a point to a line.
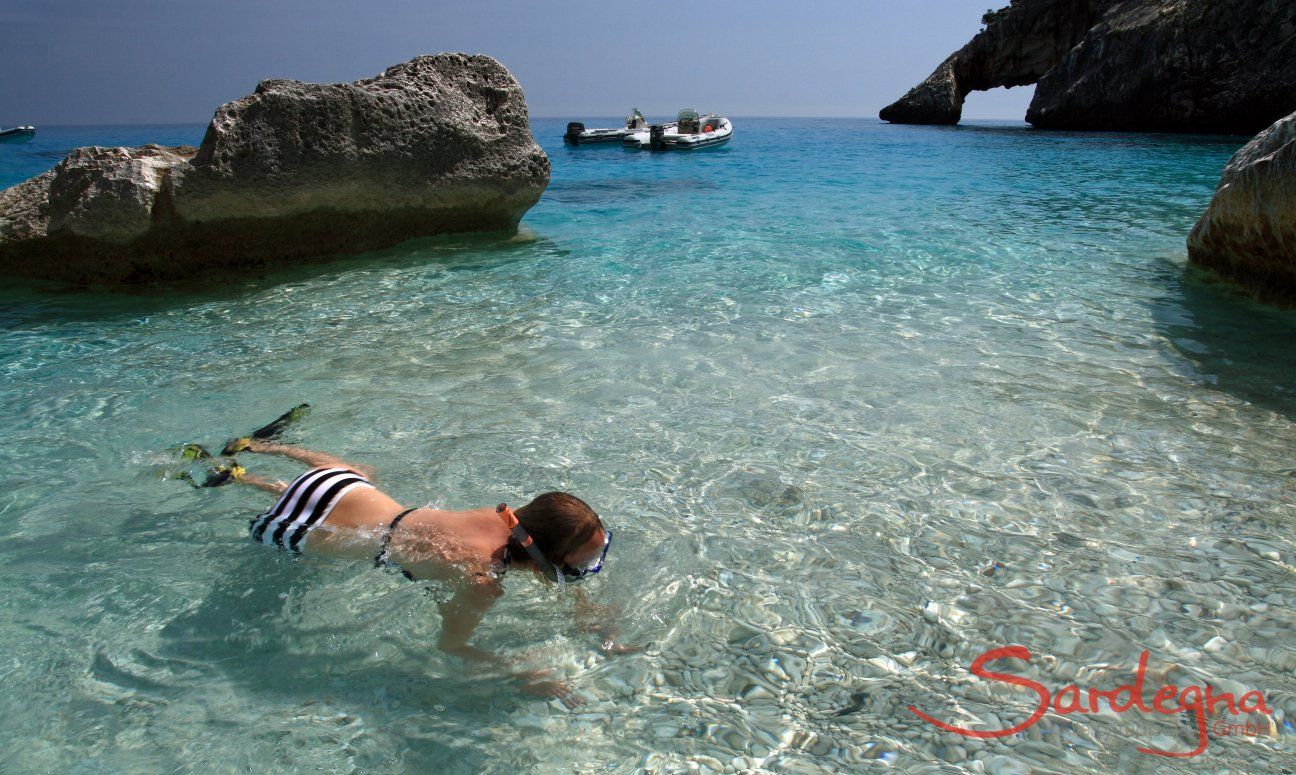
381	558
305	504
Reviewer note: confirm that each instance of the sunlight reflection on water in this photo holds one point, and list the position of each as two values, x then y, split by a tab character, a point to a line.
861	402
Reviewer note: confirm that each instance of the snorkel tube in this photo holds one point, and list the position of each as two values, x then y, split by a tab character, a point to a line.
524	538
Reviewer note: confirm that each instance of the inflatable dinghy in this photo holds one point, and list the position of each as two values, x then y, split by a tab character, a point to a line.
577	134
691	131
17	134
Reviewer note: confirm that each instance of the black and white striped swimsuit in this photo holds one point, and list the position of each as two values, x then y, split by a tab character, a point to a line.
305	504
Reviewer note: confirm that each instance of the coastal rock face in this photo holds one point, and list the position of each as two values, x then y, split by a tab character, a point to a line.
24	209
435	145
433	133
109	193
1249	231
1154	65
1019	45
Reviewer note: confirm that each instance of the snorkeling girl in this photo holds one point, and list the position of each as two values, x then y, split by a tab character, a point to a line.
334	509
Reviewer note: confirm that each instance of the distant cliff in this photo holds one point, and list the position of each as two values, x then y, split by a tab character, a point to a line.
295	170
1224	66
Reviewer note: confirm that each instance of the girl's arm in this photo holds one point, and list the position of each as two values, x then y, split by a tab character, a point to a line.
460	616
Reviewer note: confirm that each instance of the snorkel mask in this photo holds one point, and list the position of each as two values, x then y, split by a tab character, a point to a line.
565	575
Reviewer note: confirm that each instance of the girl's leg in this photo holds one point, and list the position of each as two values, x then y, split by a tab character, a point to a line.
276	487
309	457
230	471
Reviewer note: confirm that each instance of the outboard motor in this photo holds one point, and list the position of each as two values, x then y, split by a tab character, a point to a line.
574	130
657	137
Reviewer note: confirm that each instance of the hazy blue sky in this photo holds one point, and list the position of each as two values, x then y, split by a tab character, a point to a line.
141	61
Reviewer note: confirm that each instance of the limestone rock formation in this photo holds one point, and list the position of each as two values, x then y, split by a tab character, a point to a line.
24	209
435	145
1154	65
1249	231
109	193
1019	45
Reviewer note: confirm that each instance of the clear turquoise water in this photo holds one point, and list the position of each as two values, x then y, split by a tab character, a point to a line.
817	382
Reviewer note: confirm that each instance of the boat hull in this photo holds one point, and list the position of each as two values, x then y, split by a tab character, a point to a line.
709	143
20	134
592	136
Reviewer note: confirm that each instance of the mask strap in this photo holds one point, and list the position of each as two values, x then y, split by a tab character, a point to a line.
524	538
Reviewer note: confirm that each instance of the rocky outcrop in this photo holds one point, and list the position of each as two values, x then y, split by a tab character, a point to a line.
1019	45
1248	233
24	209
1156	65
435	145
109	194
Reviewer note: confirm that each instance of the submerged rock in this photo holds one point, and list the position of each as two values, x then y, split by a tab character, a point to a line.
1162	65
1248	233
435	145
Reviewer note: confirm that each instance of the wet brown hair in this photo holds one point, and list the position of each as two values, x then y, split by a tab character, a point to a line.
558	522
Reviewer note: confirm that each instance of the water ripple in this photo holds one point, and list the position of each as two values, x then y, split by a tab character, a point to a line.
858	411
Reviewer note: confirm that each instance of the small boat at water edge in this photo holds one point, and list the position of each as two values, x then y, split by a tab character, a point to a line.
691	131
17	134
577	134
716	130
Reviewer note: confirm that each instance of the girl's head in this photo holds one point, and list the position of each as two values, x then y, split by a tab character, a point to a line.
565	529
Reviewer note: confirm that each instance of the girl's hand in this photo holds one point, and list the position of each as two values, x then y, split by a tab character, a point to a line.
620	648
536	683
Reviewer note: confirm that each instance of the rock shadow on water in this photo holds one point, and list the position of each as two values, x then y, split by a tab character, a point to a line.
1235	344
28	302
609	191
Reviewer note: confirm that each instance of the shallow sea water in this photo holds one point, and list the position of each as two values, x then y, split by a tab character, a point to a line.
860	402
